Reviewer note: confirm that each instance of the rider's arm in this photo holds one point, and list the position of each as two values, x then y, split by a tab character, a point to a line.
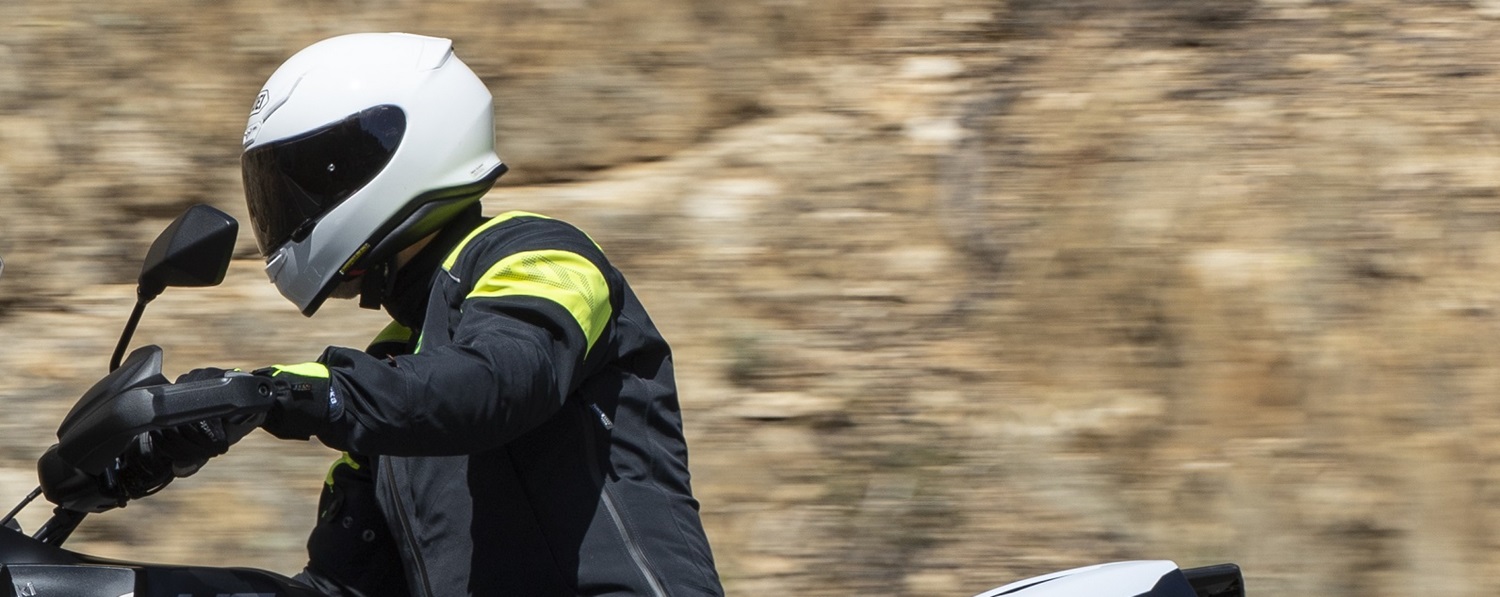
529	317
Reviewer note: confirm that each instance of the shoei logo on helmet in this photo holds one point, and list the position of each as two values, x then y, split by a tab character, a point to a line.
260	101
250	134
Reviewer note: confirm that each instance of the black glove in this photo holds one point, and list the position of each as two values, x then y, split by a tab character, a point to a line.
304	400
201	374
188	447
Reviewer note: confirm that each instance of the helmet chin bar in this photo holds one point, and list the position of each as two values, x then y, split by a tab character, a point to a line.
423	216
429	212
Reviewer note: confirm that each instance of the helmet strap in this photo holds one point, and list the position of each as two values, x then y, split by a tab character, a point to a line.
374	284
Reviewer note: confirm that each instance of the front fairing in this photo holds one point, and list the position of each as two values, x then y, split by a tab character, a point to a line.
1119	579
32	568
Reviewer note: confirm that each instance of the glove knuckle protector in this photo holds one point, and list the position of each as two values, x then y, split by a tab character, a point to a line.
302	400
201	374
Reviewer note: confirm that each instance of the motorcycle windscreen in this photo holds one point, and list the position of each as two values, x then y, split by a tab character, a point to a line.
292	182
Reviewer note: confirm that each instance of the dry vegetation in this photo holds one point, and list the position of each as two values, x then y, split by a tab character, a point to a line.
961	291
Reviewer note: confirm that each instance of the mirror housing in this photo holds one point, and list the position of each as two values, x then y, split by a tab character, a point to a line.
194	250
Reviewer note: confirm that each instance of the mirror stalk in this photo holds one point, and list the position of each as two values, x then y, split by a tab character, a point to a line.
130	325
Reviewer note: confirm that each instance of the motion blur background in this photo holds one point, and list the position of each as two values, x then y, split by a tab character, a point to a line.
961	291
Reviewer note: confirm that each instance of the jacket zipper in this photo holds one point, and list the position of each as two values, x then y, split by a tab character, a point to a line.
406	532
636	554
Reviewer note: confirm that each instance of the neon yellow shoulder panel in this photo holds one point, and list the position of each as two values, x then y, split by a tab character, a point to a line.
563	277
495	221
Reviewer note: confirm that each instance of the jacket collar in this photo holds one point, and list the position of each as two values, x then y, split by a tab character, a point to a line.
409	289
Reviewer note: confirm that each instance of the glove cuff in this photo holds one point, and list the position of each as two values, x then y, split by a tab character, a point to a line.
303	398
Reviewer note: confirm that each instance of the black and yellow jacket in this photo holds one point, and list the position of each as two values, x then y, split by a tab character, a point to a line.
522	438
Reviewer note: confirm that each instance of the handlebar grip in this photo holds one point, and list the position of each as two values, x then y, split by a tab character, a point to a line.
93	443
70	488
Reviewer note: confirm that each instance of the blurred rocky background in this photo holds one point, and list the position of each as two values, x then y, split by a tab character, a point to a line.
961	291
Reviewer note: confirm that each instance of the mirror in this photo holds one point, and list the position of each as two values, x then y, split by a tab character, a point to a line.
194	250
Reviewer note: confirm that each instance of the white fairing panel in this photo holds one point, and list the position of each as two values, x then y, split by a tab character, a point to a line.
1118	579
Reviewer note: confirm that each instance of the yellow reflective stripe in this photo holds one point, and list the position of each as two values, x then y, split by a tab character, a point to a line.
343	459
393	332
495	221
563	277
313	369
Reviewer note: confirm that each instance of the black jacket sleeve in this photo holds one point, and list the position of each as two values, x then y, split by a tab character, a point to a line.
510	361
504	377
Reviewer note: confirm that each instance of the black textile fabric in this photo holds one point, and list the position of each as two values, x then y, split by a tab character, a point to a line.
507	455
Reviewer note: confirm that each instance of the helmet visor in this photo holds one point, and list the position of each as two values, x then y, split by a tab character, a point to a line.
291	183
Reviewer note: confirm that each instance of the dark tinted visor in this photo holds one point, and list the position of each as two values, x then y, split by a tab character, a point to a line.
290	183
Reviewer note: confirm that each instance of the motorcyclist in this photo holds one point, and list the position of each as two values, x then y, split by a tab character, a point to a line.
515	429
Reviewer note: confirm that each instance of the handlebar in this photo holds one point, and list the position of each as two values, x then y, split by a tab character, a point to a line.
99	462
99	436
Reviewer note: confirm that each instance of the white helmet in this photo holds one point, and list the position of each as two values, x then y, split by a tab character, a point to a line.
357	147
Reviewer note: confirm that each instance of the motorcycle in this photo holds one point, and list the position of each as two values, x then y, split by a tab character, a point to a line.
101	462
1155	578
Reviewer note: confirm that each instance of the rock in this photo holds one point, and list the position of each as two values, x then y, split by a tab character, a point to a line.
781	406
930	67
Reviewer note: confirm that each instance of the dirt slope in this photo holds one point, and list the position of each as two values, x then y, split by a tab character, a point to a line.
960	291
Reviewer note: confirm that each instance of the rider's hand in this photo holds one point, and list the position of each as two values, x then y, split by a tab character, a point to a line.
200	374
188	447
